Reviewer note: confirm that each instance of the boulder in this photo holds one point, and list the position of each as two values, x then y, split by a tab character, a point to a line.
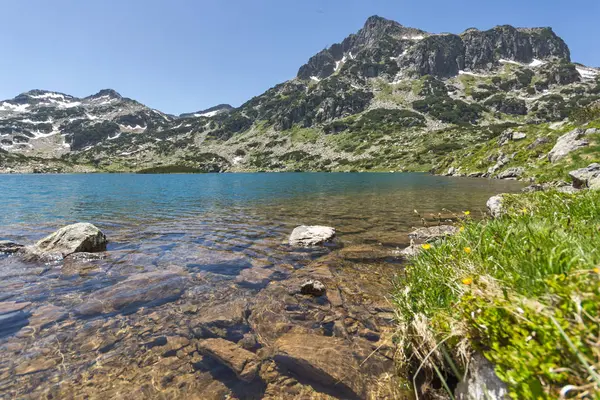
148	288
511	173
410	251
432	233
244	363
481	382
313	288
538	142
519	136
326	360
567	143
307	236
494	205
76	238
586	177
8	247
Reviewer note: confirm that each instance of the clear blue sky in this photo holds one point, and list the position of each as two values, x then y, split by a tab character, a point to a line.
185	55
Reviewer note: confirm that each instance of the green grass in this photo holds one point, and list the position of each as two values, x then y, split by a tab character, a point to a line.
517	289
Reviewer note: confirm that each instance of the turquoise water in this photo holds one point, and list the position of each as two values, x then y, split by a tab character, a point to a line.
225	233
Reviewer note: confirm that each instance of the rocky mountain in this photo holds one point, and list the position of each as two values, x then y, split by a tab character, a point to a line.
389	97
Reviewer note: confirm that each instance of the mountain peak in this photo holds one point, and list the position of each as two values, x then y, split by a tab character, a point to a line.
107	92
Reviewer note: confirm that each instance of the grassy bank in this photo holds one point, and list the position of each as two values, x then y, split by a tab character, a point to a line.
523	290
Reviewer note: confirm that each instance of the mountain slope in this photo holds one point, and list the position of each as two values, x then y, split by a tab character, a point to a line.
386	98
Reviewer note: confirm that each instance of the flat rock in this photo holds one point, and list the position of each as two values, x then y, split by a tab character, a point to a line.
481	382
244	363
225	320
12	306
322	359
139	289
586	177
307	236
8	247
566	144
432	233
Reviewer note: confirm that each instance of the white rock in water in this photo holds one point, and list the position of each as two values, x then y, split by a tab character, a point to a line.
306	236
76	238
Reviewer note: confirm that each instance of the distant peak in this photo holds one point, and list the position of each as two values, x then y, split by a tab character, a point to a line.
107	92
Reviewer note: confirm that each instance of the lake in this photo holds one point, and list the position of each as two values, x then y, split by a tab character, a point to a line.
196	257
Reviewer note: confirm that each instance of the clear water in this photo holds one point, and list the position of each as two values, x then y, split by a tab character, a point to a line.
212	226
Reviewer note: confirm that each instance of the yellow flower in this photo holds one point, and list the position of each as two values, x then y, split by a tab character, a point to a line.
467	281
597	270
524	211
467	250
426	246
467	213
462	228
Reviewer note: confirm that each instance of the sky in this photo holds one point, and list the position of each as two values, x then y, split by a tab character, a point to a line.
187	55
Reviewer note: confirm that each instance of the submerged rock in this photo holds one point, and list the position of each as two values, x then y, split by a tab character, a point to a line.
567	143
326	360
76	238
8	247
45	316
140	289
588	177
314	288
494	205
306	236
244	363
481	382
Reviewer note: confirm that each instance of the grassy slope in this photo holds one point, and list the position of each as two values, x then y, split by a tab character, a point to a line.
523	289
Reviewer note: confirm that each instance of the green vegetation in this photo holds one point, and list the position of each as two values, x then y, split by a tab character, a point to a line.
523	289
449	110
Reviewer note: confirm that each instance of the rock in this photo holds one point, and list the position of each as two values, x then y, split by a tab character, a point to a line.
592	131
494	205
314	288
226	320
322	359
140	289
481	382
45	316
451	171
306	236
538	142
519	136
567	143
511	173
533	188
502	160
13	316
8	247
586	177
76	238
432	233
244	363
411	251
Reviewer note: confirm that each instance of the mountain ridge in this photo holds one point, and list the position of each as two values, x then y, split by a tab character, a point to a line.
349	107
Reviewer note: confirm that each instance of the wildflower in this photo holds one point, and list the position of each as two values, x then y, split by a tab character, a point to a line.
467	213
597	270
426	246
524	211
467	281
461	229
468	250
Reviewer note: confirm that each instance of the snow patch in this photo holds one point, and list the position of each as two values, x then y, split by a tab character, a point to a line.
208	114
5	106
417	37
29	121
338	64
587	73
237	159
314	78
47	96
503	61
536	63
461	72
118	135
352	57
